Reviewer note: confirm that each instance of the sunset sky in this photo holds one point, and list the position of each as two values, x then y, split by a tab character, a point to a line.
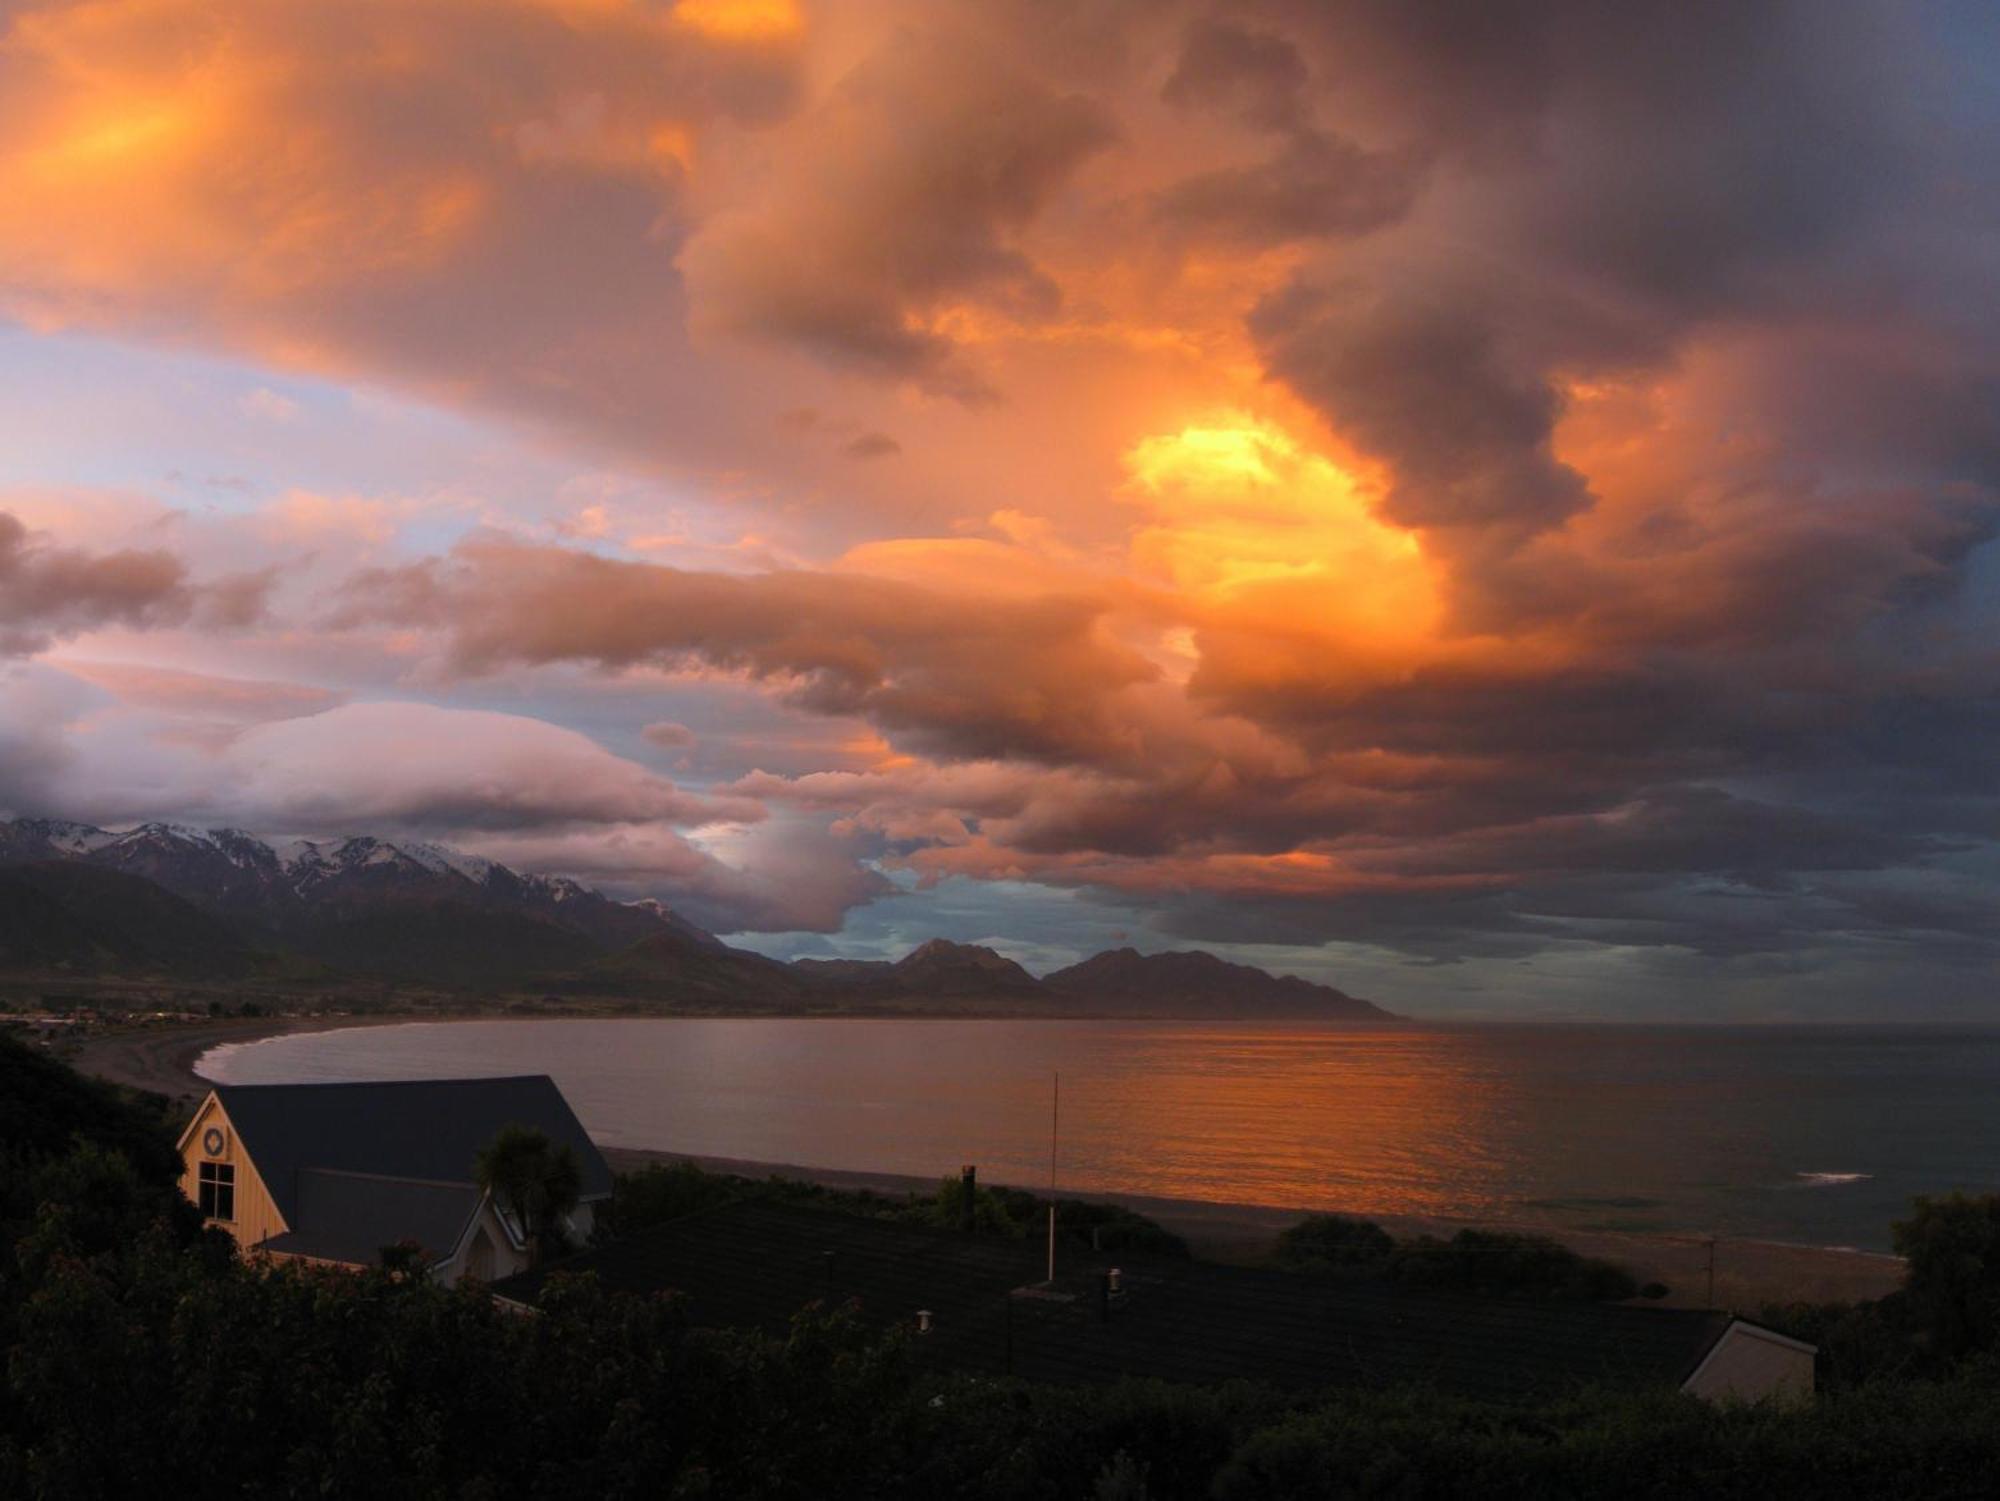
1488	505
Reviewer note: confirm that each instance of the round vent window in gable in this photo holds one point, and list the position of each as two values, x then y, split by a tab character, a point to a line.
213	1141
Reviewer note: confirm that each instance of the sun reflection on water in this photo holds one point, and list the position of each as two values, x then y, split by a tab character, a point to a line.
1813	1134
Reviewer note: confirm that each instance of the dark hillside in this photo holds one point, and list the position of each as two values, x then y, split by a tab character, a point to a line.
1194	983
46	1108
63	915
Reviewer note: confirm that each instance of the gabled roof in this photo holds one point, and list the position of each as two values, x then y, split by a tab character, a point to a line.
429	1130
351	1217
756	1263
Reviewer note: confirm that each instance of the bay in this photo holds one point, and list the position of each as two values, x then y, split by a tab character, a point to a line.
1812	1135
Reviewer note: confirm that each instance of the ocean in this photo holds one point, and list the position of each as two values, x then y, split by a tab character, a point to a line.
1815	1135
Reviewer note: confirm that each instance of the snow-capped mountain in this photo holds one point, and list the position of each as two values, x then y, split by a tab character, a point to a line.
311	861
203	863
407	907
59	836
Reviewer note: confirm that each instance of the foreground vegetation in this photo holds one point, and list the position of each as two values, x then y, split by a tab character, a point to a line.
660	1192
1494	1262
142	1355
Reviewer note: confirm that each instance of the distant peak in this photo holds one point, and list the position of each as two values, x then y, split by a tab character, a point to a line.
1195	977
58	826
186	833
444	858
60	834
938	950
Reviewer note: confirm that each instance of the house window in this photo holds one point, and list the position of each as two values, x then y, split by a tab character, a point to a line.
218	1190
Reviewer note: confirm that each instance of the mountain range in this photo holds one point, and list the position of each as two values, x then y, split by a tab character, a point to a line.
173	902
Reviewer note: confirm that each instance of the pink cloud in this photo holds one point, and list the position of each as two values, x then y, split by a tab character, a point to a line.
366	764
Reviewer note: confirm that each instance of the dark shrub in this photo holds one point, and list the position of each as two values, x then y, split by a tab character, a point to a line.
1952	1246
1493	1261
46	1107
993	1211
1112	1227
659	1192
1857	1341
1332	1242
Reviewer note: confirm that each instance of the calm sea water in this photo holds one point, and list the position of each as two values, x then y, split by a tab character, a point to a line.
1813	1135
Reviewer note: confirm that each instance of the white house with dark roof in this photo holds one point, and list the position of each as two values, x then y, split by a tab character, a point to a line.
334	1173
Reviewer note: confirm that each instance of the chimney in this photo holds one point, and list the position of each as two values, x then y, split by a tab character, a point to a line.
968	1180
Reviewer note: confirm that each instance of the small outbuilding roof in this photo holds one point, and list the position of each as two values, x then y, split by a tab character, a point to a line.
755	1263
423	1131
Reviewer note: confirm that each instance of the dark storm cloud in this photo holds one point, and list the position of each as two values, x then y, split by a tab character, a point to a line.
1423	377
1629	177
1609	188
1676	830
1257	75
1316	184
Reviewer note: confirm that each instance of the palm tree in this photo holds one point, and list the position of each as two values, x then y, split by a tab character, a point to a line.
535	1179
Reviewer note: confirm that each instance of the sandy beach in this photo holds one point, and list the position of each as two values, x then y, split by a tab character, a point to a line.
162	1059
1747	1274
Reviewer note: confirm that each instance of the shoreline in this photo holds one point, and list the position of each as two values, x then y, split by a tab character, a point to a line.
161	1060
1747	1273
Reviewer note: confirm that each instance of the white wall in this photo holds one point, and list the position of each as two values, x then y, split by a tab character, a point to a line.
1749	1364
506	1260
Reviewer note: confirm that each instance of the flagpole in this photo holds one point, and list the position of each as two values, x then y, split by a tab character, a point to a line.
1055	1118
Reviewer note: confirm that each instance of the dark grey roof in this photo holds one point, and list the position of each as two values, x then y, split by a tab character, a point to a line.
426	1129
755	1263
350	1217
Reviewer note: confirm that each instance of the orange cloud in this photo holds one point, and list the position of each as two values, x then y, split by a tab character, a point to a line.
1261	536
741	20
278	176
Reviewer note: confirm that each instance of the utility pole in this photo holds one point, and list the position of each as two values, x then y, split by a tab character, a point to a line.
1055	1121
